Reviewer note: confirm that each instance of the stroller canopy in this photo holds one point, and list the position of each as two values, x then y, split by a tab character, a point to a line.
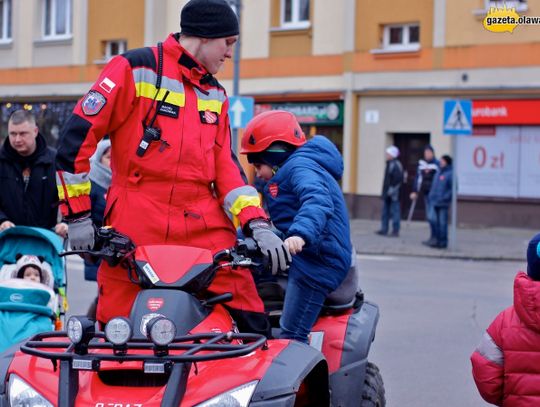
37	241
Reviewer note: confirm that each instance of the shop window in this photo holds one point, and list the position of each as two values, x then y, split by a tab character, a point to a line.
57	19
113	48
402	37
5	20
295	13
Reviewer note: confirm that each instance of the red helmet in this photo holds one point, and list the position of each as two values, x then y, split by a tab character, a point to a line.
269	127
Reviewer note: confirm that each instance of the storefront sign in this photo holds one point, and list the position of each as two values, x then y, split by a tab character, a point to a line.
503	163
317	113
516	112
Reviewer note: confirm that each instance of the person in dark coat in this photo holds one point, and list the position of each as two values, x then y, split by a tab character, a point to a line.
306	205
441	197
425	172
506	363
28	177
393	179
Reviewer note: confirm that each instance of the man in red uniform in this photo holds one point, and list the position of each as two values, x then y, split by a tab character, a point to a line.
174	177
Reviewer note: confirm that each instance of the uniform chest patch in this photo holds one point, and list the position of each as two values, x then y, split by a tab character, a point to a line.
92	103
273	189
170	110
209	117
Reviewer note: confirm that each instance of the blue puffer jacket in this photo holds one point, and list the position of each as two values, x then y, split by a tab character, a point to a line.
440	194
304	199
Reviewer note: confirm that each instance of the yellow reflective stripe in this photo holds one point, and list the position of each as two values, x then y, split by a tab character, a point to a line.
243	201
74	190
148	90
212	105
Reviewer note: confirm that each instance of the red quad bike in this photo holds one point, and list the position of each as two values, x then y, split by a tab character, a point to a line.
180	346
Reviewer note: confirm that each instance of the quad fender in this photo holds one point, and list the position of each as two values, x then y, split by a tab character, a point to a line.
347	382
298	363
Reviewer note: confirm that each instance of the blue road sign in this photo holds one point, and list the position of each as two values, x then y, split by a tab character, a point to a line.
457	117
240	111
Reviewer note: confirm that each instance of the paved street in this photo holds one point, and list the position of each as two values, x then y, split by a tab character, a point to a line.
433	314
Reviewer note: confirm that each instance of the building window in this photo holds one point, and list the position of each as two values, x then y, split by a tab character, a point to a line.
519	5
113	48
403	37
56	19
295	13
5	20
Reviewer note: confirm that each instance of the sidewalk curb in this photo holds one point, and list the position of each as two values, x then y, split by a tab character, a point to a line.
440	255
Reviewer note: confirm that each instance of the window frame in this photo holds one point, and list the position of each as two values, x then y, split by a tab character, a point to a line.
54	35
122	47
405	45
519	5
295	23
6	30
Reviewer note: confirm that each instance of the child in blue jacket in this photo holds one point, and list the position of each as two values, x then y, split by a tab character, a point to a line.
306	204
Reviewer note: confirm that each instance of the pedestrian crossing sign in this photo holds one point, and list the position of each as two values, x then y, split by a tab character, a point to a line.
457	117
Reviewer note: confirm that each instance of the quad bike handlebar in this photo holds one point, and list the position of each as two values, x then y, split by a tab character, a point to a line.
115	247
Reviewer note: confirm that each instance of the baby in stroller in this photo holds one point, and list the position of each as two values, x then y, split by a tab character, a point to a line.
29	303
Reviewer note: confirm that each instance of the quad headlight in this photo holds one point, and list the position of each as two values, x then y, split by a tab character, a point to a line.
22	394
161	331
237	397
80	329
118	331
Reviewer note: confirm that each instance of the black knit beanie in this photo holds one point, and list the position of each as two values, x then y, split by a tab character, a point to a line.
208	19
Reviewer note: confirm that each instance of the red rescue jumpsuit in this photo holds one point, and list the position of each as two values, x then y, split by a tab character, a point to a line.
177	191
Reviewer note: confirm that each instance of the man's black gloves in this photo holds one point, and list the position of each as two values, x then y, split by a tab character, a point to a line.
81	233
270	244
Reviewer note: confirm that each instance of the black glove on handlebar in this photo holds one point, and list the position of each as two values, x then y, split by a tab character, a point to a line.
270	244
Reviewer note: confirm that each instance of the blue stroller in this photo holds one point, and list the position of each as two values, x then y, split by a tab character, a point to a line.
26	307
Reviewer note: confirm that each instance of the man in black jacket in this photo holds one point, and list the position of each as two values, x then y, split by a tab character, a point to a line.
393	179
28	177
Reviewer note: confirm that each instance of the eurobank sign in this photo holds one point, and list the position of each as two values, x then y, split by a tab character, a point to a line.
317	113
506	112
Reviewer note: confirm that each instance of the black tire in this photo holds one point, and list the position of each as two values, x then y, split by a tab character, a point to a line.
373	391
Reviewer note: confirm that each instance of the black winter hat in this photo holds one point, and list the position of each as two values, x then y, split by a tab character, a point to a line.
208	19
533	258
447	158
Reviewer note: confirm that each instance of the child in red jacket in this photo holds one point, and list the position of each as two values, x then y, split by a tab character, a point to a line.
506	363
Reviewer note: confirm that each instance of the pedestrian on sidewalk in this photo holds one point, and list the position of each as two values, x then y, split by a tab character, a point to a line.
425	172
440	197
393	179
506	363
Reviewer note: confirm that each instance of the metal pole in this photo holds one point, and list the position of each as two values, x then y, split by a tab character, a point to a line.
236	78
453	229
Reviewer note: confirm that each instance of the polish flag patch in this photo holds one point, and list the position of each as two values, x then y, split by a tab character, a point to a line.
107	85
153	304
273	188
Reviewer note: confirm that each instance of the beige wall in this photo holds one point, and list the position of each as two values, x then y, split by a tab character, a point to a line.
371	14
406	114
255	29
114	20
464	26
328	26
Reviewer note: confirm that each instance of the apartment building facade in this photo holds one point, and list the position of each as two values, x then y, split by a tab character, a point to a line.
365	73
